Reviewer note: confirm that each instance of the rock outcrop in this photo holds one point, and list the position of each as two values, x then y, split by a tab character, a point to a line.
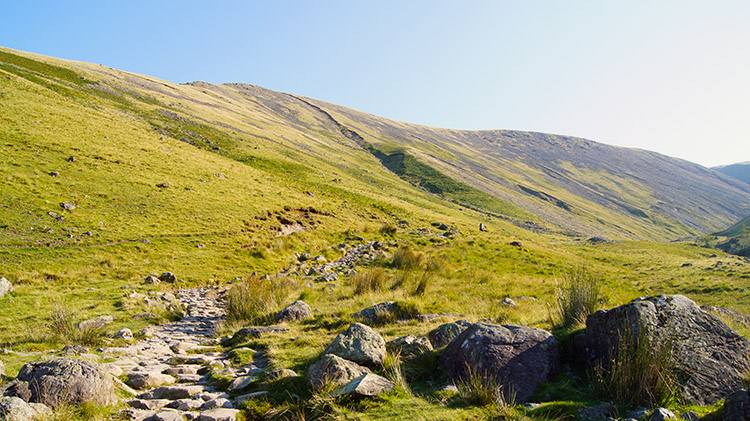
518	358
709	357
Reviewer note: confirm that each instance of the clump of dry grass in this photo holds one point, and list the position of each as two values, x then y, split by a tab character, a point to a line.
578	294
371	281
640	372
405	258
255	299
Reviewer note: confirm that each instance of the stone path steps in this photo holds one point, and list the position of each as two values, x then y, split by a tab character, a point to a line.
169	369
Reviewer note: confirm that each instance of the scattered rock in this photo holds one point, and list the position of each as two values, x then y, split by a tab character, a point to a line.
661	414
147	380
2	370
168	416
409	346
515	244
5	287
218	414
68	206
171	392
244	398
441	226
74	350
303	257
518	357
360	344
54	173
16	409
71	159
124	333
168	277
298	310
281	374
151	280
163	185
482	227
709	357
63	381
508	302
96	322
367	385
241	382
334	370
445	333
598	412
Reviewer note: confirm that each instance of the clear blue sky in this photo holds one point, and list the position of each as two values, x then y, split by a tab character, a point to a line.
669	76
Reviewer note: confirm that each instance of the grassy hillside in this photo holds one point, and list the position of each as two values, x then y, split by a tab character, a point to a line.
215	182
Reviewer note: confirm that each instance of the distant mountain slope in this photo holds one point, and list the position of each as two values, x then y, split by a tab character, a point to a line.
740	171
284	151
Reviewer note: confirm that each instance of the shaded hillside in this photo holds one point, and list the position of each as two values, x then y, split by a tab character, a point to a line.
740	171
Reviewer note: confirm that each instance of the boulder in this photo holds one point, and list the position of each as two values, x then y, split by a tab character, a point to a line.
334	370
709	357
5	287
168	277
519	358
2	370
409	346
168	416
96	322
281	374
360	344
16	409
375	313
445	333
662	414
736	406
68	206
298	310
63	381
366	385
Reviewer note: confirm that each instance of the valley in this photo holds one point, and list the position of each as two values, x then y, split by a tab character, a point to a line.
259	199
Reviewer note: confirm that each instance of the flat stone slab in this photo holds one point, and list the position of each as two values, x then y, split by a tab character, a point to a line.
218	414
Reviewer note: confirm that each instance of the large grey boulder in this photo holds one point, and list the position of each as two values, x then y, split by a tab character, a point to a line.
63	381
16	409
445	333
518	358
298	310
360	344
709	357
334	370
5	287
366	385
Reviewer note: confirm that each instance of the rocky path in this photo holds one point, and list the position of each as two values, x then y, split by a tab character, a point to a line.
168	371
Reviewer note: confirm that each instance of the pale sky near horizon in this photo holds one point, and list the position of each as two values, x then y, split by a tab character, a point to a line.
669	76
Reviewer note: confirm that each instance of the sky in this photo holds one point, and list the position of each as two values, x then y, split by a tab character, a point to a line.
667	76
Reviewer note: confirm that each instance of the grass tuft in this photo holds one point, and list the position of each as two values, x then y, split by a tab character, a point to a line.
404	258
578	295
371	281
639	373
255	300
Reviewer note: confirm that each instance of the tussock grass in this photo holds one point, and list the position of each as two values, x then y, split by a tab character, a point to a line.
640	372
255	300
405	258
392	366
373	280
481	389
62	328
577	295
